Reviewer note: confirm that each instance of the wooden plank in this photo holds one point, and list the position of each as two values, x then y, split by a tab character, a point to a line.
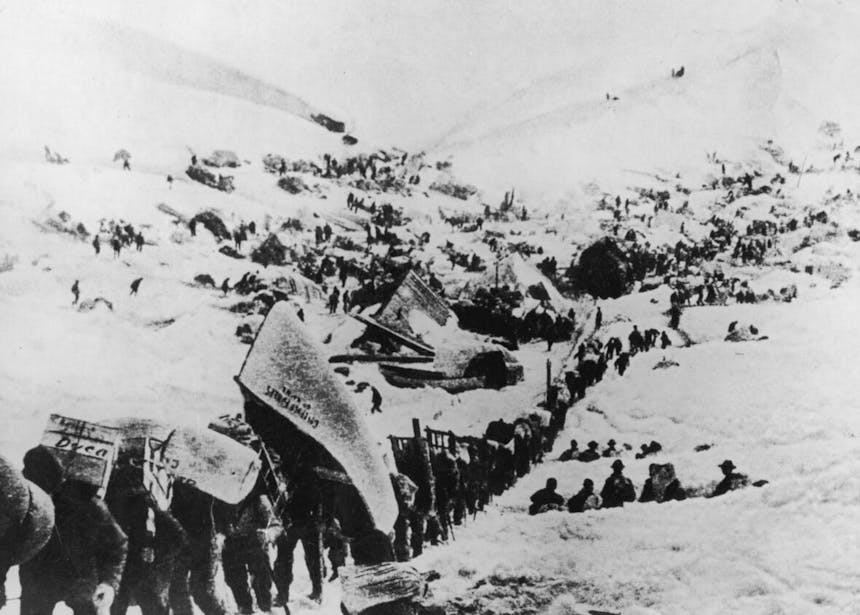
86	450
371	358
406	341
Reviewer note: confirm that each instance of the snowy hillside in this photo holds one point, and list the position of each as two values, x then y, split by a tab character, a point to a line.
512	96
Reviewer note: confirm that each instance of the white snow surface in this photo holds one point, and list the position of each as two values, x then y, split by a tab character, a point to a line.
514	95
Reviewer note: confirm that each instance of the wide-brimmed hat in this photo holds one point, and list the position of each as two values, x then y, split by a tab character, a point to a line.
592	444
727	465
617	464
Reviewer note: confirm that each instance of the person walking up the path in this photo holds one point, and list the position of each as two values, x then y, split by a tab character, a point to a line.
76	291
598	319
135	285
97	246
376	401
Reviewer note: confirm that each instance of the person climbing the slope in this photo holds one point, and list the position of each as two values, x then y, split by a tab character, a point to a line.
376	401
622	362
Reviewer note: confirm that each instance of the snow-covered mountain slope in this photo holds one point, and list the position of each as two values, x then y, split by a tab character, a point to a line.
514	95
770	70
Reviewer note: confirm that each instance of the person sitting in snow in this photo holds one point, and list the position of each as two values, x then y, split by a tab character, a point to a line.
571	453
585	499
618	488
610	450
591	454
662	485
546	499
731	480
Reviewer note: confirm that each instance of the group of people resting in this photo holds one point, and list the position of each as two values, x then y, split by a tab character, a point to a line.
661	486
592	454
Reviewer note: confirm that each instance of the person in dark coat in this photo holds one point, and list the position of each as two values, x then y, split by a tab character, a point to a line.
675	316
618	488
138	241
225	286
83	561
376	401
26	520
731	480
306	516
622	362
662	485
546	498
333	301
636	341
135	285
195	573
664	341
245	554
155	544
591	454
97	246
76	291
116	245
598	319
585	499
571	453
610	450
